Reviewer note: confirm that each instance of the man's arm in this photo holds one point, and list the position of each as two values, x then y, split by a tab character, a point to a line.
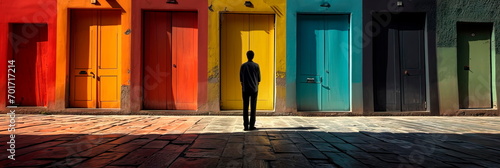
241	74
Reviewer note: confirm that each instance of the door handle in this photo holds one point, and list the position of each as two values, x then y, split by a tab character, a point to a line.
175	66
466	67
93	74
407	73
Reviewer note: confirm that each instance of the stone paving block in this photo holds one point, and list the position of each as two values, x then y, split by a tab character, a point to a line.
168	137
257	140
311	137
257	152
324	147
185	139
29	163
92	152
391	158
284	146
199	153
367	159
135	158
237	138
344	160
253	163
310	152
321	164
214	136
130	146
230	163
101	160
195	162
124	139
167	155
157	144
290	160
209	143
68	162
233	150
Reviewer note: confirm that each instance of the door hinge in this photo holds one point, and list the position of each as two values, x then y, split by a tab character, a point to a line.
425	105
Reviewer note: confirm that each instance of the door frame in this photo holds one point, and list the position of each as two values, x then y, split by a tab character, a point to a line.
221	14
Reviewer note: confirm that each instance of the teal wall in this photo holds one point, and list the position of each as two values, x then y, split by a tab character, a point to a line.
449	12
351	7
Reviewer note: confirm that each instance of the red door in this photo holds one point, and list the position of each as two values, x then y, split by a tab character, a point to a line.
170	73
30	56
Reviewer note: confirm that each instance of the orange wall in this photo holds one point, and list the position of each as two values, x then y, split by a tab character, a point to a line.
62	64
138	7
27	11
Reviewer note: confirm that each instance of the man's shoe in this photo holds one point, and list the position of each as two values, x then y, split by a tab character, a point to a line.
245	129
253	128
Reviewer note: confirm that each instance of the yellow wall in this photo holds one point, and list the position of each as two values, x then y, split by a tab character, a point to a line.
217	7
63	38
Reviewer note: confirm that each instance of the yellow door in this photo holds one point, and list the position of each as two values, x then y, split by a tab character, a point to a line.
240	33
95	59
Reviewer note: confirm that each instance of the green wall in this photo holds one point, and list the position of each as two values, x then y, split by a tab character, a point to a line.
449	12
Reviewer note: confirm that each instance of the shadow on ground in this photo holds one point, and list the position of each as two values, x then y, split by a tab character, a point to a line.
266	147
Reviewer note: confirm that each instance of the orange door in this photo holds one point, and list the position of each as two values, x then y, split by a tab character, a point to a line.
95	59
170	60
30	56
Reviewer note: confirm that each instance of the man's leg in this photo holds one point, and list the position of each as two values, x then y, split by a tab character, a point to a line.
253	109
246	97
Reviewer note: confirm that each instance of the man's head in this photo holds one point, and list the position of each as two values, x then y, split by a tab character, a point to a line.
250	55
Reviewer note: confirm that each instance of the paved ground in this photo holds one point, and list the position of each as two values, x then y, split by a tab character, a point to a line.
281	141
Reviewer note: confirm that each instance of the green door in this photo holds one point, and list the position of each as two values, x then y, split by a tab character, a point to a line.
474	64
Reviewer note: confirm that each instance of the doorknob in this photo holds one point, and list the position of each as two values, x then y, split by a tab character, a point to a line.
466	67
407	73
93	75
175	66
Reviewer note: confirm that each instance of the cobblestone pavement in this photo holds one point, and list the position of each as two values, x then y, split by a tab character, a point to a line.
280	141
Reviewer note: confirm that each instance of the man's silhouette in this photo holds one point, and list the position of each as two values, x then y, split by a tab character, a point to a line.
249	78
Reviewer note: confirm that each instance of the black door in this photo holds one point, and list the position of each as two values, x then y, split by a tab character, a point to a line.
399	64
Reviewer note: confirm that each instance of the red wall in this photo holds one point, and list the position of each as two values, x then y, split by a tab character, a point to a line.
199	6
27	11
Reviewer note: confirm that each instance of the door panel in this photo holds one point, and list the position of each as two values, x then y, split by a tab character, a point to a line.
310	52
95	59
474	65
157	61
335	85
413	67
185	60
170	60
109	58
399	65
240	33
83	58
235	37
30	66
262	43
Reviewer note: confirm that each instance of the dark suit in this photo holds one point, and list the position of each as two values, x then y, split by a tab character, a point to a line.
249	78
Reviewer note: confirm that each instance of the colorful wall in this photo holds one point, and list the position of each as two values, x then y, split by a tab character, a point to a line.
28	29
450	14
352	9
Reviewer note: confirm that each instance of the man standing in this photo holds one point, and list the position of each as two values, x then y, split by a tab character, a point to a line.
249	78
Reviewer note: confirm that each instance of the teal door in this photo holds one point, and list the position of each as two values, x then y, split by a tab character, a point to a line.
323	63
